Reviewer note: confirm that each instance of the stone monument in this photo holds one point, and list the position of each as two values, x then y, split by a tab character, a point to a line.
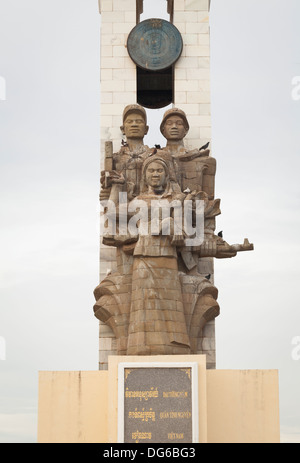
146	65
156	300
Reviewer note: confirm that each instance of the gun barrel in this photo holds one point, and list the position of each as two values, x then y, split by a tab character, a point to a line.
246	246
108	160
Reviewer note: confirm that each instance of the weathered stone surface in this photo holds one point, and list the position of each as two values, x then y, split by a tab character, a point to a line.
160	296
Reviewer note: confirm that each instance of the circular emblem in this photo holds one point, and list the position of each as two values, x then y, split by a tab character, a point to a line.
154	44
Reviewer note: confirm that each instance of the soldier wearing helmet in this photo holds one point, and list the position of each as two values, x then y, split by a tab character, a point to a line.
127	162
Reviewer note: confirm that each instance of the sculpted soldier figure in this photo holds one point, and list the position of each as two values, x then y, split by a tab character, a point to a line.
121	175
195	170
125	172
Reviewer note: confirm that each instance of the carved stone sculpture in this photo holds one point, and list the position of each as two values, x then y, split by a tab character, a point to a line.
156	301
123	169
157	322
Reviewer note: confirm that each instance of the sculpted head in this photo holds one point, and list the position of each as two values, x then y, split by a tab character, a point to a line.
174	126
134	122
155	174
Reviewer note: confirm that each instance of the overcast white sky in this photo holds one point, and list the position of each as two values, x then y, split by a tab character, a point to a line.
49	186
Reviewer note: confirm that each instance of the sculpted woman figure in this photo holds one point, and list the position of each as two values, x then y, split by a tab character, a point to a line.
157	323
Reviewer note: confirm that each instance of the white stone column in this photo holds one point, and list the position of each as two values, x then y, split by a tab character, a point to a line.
117	70
192	70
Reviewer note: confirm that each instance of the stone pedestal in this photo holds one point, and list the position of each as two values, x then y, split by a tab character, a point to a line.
232	406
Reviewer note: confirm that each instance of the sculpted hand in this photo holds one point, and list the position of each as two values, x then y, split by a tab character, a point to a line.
208	248
104	194
216	248
112	177
224	250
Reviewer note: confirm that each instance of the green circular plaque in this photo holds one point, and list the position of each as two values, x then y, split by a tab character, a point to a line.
154	44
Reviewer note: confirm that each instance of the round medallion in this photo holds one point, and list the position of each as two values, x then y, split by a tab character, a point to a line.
154	44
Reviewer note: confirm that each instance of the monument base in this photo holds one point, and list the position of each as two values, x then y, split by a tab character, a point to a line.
227	406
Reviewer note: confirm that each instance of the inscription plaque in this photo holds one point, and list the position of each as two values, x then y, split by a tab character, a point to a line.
154	44
158	403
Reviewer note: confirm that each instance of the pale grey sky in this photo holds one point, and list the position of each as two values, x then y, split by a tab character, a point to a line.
49	210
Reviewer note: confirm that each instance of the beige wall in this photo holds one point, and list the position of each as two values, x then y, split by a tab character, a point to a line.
72	407
235	406
243	406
